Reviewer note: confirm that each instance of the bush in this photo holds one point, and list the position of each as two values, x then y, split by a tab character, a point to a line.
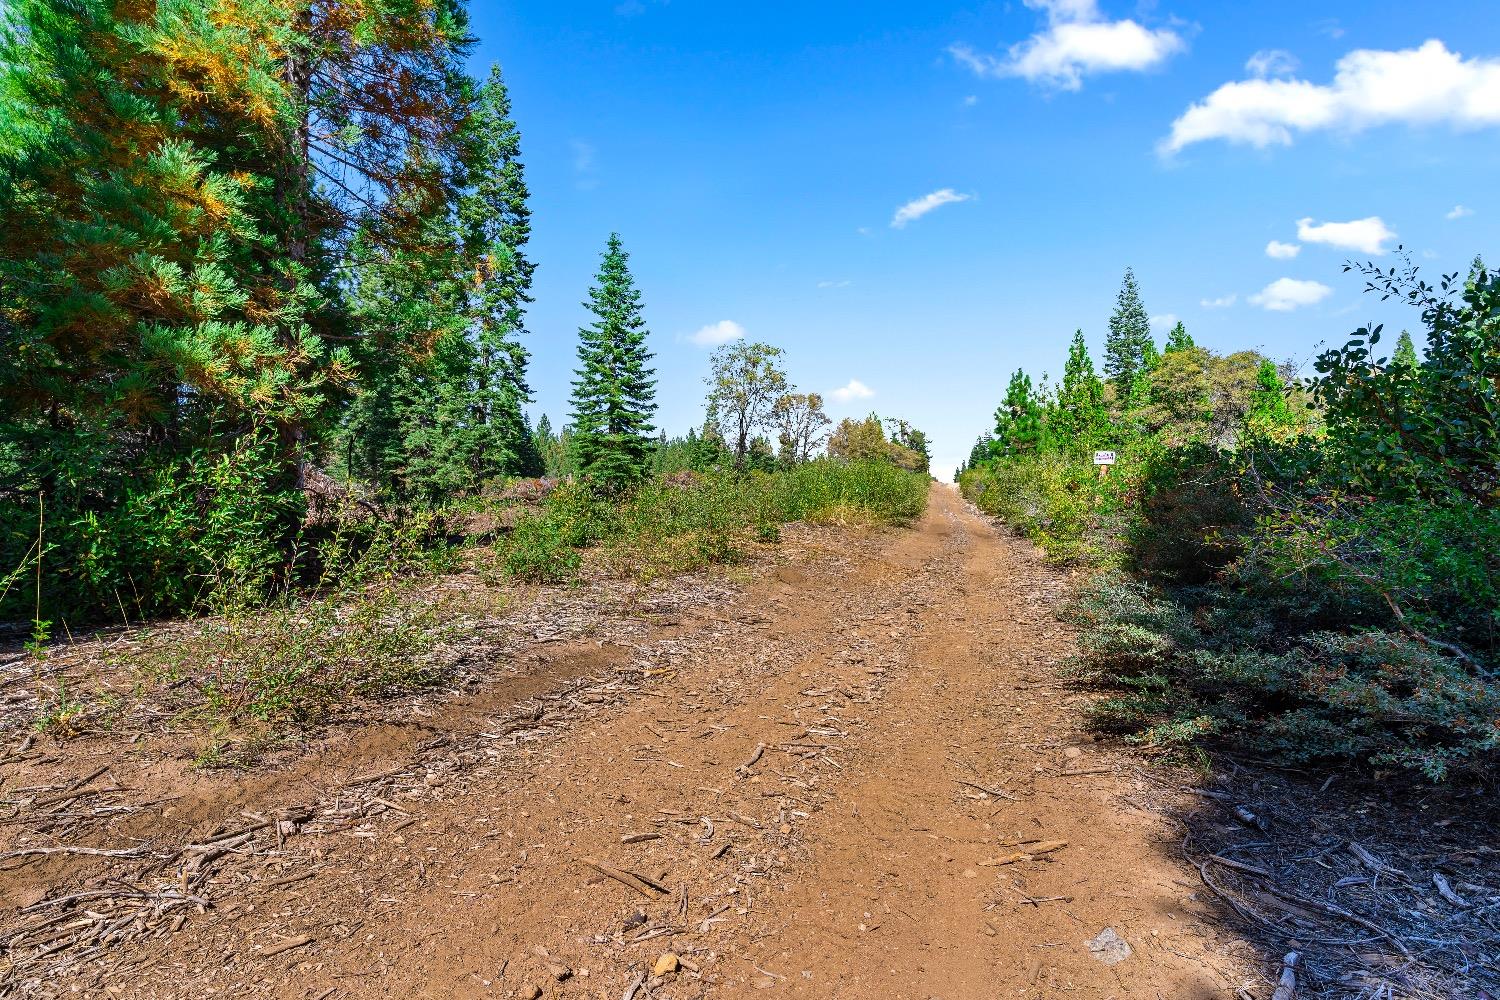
1056	500
148	540
1231	669
680	522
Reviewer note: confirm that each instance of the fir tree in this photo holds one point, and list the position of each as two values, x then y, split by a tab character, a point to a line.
494	224
1178	340
1129	349
1080	418
614	394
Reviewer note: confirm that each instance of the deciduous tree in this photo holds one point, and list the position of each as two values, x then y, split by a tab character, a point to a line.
745	380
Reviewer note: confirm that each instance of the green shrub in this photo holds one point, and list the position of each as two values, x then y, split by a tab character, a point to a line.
149	539
539	551
1230	670
1056	500
683	521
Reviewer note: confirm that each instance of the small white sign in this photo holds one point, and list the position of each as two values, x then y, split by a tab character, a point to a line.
1104	458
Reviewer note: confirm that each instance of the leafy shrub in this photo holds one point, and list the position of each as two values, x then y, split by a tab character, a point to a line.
148	540
675	522
539	551
1054	499
1191	515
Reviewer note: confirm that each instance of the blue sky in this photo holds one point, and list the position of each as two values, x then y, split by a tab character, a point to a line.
756	158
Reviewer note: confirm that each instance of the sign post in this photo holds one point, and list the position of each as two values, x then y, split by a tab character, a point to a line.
1103	460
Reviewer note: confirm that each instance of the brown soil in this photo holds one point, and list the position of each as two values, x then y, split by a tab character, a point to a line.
915	733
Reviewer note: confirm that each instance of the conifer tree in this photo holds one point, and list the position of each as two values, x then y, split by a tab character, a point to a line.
1080	418
1018	421
1405	355
494	224
1128	349
1268	411
614	394
1178	340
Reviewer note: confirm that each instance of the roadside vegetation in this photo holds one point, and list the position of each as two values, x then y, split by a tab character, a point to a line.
264	367
1305	569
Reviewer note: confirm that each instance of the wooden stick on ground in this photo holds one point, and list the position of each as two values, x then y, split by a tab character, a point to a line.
646	887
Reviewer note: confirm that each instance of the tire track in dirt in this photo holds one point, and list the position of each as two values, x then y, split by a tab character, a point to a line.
913	729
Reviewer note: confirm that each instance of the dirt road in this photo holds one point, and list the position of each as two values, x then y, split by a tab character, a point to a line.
810	789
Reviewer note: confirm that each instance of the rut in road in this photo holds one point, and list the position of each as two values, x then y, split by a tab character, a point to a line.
829	789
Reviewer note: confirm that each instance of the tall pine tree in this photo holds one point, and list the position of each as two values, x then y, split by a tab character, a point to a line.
614	395
1128	350
1081	422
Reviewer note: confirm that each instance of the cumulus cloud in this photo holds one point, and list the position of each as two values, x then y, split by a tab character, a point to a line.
1427	85
1459	212
1286	294
854	390
918	207
718	334
1078	41
1164	322
1365	235
1271	62
1222	302
1282	251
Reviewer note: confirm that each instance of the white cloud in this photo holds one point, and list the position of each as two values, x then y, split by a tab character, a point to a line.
919	207
1078	41
971	100
1282	251
1271	62
718	334
835	284
1365	235
1422	86
1222	302
854	390
1164	322
1286	294
1459	212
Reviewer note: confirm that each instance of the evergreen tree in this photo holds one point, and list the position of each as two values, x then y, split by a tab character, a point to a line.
983	451
1129	349
1268	411
1018	421
494	224
614	395
1178	340
444	372
1080	420
1405	355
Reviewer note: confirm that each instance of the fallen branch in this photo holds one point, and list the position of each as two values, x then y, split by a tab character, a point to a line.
646	887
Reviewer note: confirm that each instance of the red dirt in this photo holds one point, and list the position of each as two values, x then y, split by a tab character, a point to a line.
892	683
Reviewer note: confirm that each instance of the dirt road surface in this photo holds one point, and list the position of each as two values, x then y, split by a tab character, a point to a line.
857	775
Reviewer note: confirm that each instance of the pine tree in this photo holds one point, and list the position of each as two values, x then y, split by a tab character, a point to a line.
1129	349
1018	421
1080	419
1405	355
1178	340
614	394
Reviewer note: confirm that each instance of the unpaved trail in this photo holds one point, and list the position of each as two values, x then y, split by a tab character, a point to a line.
915	732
